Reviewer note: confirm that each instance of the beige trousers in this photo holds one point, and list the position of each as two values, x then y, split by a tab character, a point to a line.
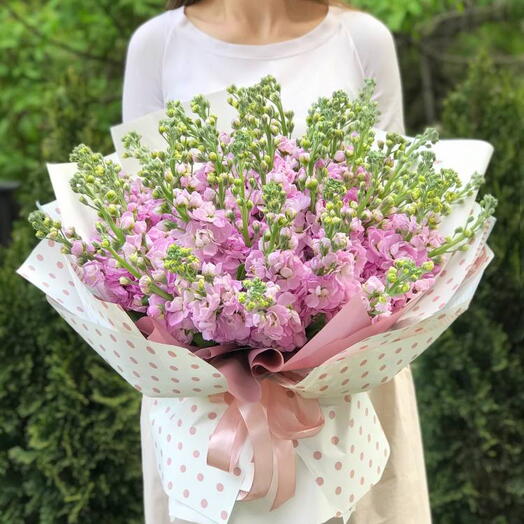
401	496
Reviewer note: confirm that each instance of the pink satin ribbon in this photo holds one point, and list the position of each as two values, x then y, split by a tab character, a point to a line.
271	425
259	409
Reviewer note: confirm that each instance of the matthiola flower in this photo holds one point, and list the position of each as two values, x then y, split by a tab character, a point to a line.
176	313
232	327
77	248
157	241
327	293
279	324
285	145
244	237
384	246
298	202
402	222
156	307
284	268
207	212
426	238
127	221
373	285
206	237
132	244
103	277
283	173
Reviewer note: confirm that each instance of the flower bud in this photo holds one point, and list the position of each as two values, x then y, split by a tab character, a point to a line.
311	184
428	265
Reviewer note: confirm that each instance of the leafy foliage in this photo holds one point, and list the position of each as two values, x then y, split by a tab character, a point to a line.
39	41
470	382
403	16
69	429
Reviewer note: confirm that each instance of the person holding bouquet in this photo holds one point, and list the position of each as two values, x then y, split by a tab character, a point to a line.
312	48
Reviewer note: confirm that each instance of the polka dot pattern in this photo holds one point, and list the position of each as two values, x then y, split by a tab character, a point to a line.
151	368
51	208
47	269
173	375
344	460
186	476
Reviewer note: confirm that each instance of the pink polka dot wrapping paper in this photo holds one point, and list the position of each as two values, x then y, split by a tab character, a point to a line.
334	468
152	368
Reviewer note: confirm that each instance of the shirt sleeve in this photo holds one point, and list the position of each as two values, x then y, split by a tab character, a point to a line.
377	53
142	87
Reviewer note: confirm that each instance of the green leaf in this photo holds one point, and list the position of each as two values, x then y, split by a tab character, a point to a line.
317	323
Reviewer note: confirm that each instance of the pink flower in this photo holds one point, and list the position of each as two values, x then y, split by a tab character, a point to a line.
286	145
384	246
176	312
132	244
315	265
373	285
232	327
127	220
77	248
104	280
401	222
156	307
326	293
424	284
280	326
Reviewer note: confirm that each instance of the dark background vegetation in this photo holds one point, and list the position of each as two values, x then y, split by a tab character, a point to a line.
69	429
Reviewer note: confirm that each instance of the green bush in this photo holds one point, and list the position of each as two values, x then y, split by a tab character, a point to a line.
470	383
69	426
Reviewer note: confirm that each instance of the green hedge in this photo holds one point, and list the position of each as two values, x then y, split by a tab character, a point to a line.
69	426
471	382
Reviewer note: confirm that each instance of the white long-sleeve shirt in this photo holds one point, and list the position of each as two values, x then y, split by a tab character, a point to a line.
169	58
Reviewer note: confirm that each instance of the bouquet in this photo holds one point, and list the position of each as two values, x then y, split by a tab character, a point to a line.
265	280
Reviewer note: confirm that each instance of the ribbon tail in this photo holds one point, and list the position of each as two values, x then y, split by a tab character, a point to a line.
225	444
255	420
286	471
271	424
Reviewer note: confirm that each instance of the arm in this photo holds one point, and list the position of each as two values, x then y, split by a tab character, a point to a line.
142	90
376	50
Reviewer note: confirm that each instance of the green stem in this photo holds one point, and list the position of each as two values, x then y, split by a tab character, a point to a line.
160	292
245	227
124	263
244	209
446	247
154	288
118	232
285	130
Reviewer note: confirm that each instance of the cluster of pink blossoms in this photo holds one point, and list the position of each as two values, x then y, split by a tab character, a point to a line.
250	289
255	238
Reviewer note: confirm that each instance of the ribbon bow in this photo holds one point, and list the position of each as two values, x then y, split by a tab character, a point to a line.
259	409
271	425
